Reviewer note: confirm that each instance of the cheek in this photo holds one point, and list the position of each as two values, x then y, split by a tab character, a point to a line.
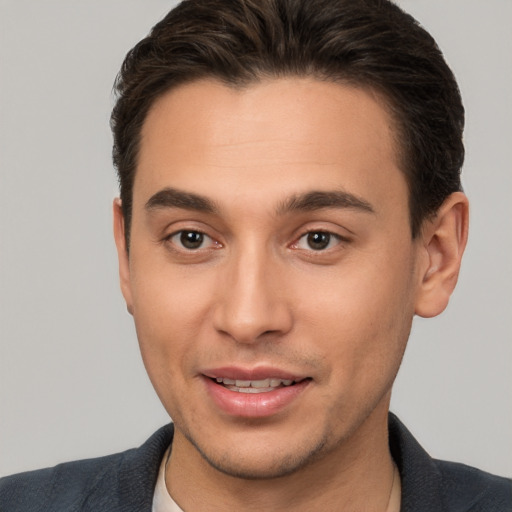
168	313
169	308
362	316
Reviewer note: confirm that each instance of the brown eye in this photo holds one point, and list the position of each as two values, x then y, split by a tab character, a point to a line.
191	240
318	240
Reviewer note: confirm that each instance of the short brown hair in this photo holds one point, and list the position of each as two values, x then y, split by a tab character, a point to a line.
370	43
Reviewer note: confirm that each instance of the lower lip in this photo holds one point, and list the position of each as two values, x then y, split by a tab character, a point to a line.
254	405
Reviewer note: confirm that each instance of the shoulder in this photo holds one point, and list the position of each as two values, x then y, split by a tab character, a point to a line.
123	481
431	485
67	484
468	488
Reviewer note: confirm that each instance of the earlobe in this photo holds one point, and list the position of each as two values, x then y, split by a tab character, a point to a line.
122	253
443	242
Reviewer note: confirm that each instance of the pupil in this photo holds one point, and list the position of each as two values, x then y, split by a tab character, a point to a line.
191	239
318	240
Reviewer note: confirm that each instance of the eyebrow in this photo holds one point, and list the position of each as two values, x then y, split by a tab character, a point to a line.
309	201
174	198
316	200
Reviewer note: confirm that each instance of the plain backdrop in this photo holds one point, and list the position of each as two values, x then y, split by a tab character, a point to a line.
72	384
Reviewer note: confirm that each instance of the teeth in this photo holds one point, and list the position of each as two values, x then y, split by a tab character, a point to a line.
247	385
252	390
261	383
227	382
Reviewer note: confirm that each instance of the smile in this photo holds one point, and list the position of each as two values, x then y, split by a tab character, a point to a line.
254	386
253	394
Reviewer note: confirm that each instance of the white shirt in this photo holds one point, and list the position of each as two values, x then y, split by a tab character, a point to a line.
162	501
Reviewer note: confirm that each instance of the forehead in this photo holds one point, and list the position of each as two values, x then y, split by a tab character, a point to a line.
270	137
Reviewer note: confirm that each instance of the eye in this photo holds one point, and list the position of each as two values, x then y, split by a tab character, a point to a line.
318	240
191	240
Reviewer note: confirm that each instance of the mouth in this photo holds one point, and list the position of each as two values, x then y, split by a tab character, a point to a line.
256	386
259	393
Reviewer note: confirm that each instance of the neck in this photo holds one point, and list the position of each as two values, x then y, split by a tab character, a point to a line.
358	475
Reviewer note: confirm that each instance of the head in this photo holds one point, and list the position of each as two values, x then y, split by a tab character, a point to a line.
289	197
368	43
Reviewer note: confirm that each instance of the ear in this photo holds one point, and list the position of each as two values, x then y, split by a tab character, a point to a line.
122	254
443	242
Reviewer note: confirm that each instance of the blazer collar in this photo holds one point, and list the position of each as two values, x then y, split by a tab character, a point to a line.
421	478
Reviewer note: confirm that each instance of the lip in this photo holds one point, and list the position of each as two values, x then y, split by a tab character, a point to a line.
258	373
253	405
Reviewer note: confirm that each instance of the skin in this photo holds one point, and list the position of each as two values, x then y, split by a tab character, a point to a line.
256	293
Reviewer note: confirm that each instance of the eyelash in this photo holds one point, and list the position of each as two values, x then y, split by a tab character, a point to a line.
181	243
324	239
308	237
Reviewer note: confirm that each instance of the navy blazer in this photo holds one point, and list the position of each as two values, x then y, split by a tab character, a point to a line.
125	482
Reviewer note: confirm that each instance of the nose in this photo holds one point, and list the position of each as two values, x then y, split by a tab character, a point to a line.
251	302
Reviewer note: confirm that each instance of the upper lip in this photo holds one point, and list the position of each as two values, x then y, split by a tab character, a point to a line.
257	373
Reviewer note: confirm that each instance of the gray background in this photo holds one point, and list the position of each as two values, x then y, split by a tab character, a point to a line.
71	381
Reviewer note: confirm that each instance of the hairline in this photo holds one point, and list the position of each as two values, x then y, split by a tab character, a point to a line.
385	100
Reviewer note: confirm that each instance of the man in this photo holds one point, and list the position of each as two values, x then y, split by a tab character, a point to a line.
290	198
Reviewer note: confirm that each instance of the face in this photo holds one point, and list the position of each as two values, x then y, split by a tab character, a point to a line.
271	275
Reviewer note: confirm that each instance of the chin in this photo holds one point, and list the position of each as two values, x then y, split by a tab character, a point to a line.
262	464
